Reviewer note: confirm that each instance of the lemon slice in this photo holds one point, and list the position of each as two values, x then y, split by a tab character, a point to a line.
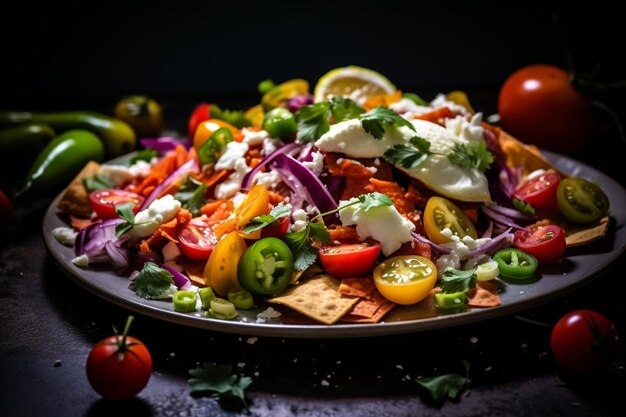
353	82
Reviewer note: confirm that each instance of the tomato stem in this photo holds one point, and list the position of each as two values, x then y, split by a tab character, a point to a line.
535	322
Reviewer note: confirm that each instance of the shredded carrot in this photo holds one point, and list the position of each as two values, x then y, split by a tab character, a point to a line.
436	116
217	211
342	233
167	232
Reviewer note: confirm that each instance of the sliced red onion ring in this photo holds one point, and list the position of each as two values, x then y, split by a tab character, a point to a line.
315	192
493	245
247	179
512	213
118	255
488	231
164	144
500	219
180	280
188	167
306	154
438	248
295	102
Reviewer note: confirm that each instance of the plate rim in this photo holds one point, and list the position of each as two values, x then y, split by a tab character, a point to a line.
152	307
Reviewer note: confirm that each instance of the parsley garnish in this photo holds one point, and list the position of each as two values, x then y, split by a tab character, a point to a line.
299	242
313	120
472	155
191	195
143	155
259	222
125	212
236	118
375	121
523	206
97	182
409	156
152	281
456	280
219	381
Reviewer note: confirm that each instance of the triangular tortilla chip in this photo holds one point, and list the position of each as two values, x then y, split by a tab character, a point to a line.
75	200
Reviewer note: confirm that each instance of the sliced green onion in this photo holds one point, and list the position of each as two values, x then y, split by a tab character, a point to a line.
206	296
452	302
185	301
487	271
241	298
222	309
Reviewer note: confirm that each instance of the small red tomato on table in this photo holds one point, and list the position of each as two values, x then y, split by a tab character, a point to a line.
539	104
119	367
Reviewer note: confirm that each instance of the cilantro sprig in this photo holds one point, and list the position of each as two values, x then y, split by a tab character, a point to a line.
152	281
375	121
456	280
219	381
523	206
304	252
409	156
259	222
191	195
314	120
471	155
126	213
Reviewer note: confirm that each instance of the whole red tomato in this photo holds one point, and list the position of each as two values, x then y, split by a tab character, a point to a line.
538	104
584	341
119	367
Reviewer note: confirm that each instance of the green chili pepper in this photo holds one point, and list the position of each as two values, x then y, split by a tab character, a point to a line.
185	301
516	264
118	137
266	267
19	147
279	123
213	148
240	298
206	296
222	309
61	160
452	302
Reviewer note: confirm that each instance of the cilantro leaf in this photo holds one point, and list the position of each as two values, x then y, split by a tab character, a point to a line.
265	86
143	155
456	280
344	109
371	200
304	253
219	381
472	155
375	121
97	181
236	118
416	99
125	212
259	222
313	121
443	387
152	281
191	195
523	206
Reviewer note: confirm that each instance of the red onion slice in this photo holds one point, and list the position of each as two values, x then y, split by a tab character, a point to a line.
438	248
500	219
188	167
247	179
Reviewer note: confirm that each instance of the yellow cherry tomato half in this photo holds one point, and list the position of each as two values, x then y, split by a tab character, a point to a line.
220	272
440	214
255	115
257	203
405	279
206	129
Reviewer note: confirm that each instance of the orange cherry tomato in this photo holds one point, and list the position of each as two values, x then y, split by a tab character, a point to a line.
206	129
257	203
220	272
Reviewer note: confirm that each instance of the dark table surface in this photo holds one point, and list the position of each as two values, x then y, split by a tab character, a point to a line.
48	325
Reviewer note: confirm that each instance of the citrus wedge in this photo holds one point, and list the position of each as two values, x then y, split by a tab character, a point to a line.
353	82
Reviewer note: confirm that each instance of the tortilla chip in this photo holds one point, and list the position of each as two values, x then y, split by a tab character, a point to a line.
485	294
79	223
520	155
307	273
290	316
194	270
576	236
366	307
75	200
318	298
357	287
378	315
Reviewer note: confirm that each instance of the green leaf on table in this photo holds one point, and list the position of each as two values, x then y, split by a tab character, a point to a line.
444	387
152	281
191	195
375	121
456	280
259	222
219	381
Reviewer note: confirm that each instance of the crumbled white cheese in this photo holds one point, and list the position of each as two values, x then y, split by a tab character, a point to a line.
442	101
82	260
268	179
317	164
170	251
299	220
169	293
470	131
232	185
234	151
267	314
119	174
270	145
65	235
460	250
253	137
160	210
382	223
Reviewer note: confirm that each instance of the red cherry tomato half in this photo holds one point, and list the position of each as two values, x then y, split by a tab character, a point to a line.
276	229
196	240
6	209
584	341
103	202
538	104
540	192
119	367
546	243
201	113
349	258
